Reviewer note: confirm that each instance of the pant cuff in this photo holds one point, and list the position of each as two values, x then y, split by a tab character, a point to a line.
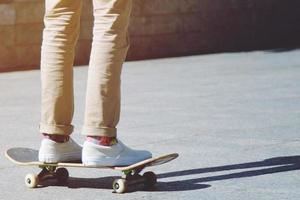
97	131
56	129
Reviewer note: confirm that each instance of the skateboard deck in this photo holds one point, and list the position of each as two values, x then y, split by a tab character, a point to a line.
131	174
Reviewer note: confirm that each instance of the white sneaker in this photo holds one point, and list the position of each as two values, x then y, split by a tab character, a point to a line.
53	152
115	155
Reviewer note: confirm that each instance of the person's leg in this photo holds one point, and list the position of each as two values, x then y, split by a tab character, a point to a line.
59	38
62	21
109	49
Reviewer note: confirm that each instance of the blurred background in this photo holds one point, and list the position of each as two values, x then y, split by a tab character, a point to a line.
160	28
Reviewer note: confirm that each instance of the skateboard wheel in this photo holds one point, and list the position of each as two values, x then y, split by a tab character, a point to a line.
150	179
119	186
31	180
62	175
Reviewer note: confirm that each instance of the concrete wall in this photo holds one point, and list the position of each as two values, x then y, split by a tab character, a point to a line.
160	28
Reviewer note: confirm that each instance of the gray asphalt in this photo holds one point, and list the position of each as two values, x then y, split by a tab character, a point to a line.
234	118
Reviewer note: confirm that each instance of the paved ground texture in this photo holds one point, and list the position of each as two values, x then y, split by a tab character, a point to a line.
234	119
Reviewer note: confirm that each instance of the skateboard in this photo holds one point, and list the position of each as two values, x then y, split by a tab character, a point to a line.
131	174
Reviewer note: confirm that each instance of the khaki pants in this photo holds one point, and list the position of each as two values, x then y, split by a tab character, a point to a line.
109	49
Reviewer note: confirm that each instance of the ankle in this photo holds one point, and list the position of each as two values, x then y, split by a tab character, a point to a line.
102	140
57	138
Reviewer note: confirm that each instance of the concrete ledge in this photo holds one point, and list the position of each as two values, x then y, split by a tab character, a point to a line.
161	28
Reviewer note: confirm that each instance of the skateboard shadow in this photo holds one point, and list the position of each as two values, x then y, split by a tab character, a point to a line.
106	183
75	183
268	166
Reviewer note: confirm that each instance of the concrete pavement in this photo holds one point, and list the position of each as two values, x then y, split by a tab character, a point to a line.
234	118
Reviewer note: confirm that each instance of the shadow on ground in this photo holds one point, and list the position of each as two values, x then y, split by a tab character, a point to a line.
268	166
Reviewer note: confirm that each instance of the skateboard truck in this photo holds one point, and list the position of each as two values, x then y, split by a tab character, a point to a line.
48	172
133	177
